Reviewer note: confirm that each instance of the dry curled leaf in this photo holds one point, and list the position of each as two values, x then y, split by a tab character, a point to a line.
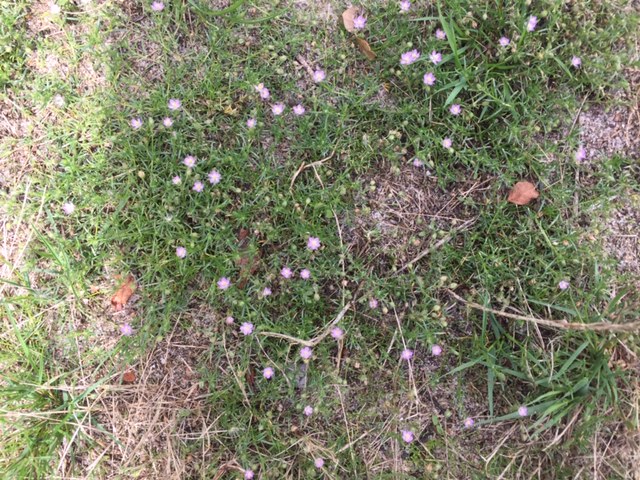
364	47
522	193
121	297
347	18
129	377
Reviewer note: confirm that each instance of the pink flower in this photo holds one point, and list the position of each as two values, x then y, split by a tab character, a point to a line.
407	58
305	274
136	123
405	5
436	350
157	6
229	320
532	23
54	9
259	87
248	474
176	180
214	177
251	123
563	284
167	122
455	109
337	333
576	61
246	328
435	57
286	272
126	330
429	79
181	252
264	93
308	410
523	411
189	161
504	41
198	186
373	303
268	373
319	76
174	104
319	462
440	35
68	208
359	22
417	163
581	154
299	110
406	354
446	142
313	243
277	108
407	435
266	291
224	283
469	422
306	352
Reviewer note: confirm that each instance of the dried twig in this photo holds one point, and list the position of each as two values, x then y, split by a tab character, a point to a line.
303	166
559	324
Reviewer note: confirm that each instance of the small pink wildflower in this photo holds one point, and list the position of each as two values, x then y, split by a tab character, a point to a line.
223	283
277	108
189	161
176	180
55	9
581	154
407	354
306	353
319	462
268	373
407	58
436	350
435	57
136	123
157	6
167	122
264	93
198	186
504	41
248	474
532	23
417	163
523	411
68	208
337	333
359	22
429	79
174	104
455	109
469	422
576	61
407	436
251	123
308	410
229	320
563	284
405	5
266	291
440	35
214	177
126	330
181	252
305	274
446	142
319	76
286	272
246	328
373	303
313	243
299	110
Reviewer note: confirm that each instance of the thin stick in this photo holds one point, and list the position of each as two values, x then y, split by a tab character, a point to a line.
303	166
559	324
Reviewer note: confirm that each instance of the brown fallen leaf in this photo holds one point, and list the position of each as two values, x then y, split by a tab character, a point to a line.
522	193
347	18
129	377
364	47
121	297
